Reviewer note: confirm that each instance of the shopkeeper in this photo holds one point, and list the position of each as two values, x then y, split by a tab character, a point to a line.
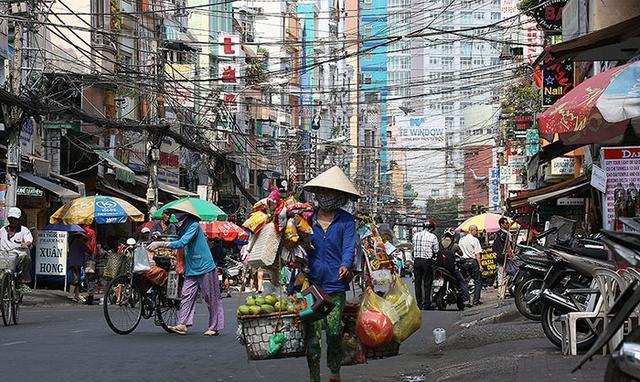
330	261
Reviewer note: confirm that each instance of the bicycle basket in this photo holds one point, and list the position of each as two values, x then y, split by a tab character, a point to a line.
117	264
8	260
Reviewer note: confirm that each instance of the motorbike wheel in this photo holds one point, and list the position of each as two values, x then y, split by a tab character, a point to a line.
441	296
522	294
553	330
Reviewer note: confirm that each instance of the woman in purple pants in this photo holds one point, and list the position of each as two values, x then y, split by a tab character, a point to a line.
201	275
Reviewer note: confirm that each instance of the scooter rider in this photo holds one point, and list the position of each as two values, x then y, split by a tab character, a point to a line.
425	244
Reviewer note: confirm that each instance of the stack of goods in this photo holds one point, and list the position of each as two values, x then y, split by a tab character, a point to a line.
378	265
279	226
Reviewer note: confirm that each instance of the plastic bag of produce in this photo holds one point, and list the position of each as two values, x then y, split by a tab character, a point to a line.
406	309
374	325
353	352
276	343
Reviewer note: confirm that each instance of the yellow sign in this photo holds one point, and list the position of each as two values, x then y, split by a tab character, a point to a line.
488	258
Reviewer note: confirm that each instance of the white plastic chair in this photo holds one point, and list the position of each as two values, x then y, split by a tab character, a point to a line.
609	285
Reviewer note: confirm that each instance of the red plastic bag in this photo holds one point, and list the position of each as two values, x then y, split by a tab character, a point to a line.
181	267
373	326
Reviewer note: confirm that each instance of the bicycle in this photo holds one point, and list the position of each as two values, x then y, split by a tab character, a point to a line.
124	297
10	295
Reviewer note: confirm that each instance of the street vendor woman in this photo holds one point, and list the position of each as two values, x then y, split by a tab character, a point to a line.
330	261
201	273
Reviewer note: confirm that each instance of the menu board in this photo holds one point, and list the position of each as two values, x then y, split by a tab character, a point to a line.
622	168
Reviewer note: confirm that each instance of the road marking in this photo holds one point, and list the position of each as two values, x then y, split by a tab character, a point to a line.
79	330
14	343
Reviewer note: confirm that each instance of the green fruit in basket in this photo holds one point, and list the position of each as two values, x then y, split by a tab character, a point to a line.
244	310
267	308
250	301
280	307
270	299
254	309
259	301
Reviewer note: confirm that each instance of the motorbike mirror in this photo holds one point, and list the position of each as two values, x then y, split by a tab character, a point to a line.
131	241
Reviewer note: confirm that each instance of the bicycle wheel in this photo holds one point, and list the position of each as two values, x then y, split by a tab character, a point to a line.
167	311
122	304
5	299
17	300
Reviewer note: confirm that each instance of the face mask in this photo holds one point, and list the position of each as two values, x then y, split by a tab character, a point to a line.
446	242
182	218
331	201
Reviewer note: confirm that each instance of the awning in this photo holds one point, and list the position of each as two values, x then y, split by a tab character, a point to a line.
123	173
619	42
169	189
122	193
63	193
548	193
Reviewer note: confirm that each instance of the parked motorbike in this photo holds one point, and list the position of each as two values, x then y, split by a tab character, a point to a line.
449	291
624	363
569	271
233	271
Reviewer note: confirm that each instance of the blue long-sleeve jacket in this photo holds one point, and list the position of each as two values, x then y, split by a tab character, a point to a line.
197	256
332	249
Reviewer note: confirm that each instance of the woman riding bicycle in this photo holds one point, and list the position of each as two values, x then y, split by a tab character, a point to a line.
201	274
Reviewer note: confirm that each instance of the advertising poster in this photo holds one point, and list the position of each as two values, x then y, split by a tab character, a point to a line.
622	172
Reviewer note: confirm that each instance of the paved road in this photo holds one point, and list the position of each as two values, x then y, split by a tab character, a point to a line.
73	343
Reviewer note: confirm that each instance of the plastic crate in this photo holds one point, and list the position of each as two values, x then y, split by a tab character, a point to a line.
257	330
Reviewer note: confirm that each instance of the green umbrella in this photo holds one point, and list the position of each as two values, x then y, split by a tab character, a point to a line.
202	209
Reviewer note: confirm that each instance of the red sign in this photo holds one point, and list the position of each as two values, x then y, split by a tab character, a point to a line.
229	74
622	153
228	46
549	17
523	121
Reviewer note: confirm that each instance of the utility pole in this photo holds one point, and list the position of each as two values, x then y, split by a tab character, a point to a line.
14	117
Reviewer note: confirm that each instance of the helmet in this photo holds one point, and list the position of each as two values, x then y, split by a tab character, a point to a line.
449	232
430	225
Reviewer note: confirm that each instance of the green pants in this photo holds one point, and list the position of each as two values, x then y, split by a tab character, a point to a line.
313	336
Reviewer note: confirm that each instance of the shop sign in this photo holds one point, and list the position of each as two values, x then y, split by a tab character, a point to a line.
179	84
570	201
29	191
562	166
512	172
598	179
488	261
228	73
229	100
549	17
622	168
557	80
523	121
228	45
51	253
494	189
26	136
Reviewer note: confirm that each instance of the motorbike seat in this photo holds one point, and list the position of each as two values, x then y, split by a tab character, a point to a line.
593	253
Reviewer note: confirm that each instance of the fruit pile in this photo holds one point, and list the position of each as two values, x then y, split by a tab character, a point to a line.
265	305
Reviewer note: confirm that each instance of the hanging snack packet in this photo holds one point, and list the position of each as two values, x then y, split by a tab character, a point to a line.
256	221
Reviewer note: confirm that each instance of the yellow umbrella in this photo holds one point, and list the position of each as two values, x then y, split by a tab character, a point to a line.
101	209
485	222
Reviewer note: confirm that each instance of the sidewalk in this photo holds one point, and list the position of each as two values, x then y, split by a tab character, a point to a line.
46	297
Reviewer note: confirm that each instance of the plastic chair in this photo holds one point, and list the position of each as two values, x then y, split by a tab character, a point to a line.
631	274
609	284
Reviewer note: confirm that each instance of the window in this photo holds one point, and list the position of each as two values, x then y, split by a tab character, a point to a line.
447	107
462	121
478	16
447	62
495	60
495	16
478	61
448	122
435	192
478	47
446	16
366	4
465	62
495	3
467	17
447	48
466	48
434	60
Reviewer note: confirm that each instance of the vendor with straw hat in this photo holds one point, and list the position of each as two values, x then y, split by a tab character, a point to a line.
201	273
330	261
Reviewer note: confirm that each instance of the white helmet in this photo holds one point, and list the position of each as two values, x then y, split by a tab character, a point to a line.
14	212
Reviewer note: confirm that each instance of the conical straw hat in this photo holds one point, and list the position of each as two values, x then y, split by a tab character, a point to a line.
187	207
333	179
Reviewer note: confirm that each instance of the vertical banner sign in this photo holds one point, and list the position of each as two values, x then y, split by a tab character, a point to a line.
494	189
51	253
557	80
622	167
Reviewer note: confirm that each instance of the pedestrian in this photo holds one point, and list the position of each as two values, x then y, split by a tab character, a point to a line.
425	247
201	274
503	249
331	258
144	235
91	241
78	253
17	239
472	255
219	254
164	226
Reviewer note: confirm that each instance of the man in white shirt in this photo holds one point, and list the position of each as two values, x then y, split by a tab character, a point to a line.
471	253
18	239
425	248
